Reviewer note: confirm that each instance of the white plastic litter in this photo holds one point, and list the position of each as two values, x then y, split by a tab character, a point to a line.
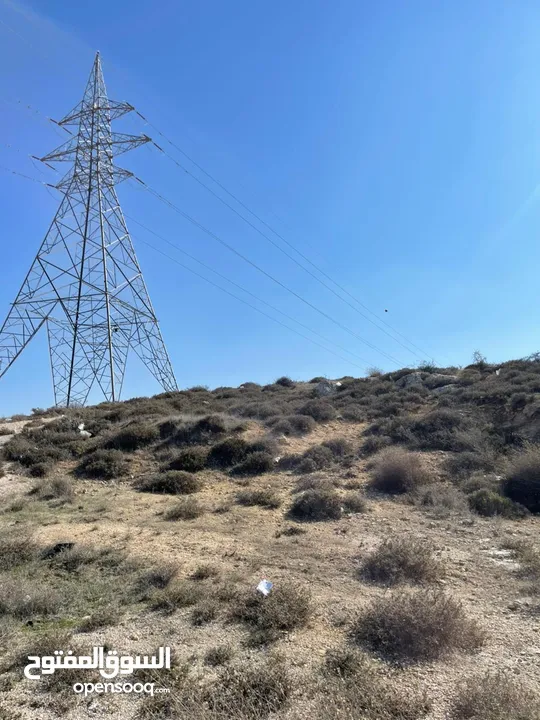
80	427
497	372
264	587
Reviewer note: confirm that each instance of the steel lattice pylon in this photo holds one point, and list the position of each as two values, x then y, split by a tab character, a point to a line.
85	283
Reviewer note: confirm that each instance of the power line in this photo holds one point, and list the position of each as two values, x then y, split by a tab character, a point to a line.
224	277
170	257
194	272
211	234
277	234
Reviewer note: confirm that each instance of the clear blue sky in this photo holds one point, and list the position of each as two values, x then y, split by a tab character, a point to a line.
396	144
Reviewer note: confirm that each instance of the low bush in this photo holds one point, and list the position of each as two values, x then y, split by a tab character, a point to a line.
354	688
522	481
286	608
319	410
105	464
496	696
489	503
188	509
173	482
255	463
295	425
399	560
264	498
397	471
252	691
205	431
191	459
204	613
317	457
133	436
25	599
178	595
58	488
16	549
227	453
218	655
285	382
159	577
441	499
339	447
314	482
353	502
416	626
314	505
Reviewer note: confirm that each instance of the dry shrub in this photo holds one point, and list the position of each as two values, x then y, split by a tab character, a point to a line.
353	688
522	482
227	453
173	482
249	692
59	488
494	697
179	595
25	599
204	613
314	505
187	509
489	504
256	463
159	577
399	560
295	425
219	655
191	460
441	499
287	607
264	498
314	482
203	572
103	617
416	626
353	502
133	437
397	471
16	549
319	410
106	464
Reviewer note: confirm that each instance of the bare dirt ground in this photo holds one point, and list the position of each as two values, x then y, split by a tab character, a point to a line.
244	544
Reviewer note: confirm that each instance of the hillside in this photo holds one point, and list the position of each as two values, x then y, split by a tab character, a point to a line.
396	516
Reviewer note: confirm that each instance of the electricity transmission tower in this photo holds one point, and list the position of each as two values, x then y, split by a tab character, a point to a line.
85	283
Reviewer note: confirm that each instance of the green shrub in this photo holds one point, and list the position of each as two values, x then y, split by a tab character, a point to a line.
106	464
416	626
399	560
201	432
133	437
191	459
397	471
313	505
522	482
488	503
255	463
173	482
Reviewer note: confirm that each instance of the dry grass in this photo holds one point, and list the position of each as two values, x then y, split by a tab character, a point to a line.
188	509
416	627
494	697
263	498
